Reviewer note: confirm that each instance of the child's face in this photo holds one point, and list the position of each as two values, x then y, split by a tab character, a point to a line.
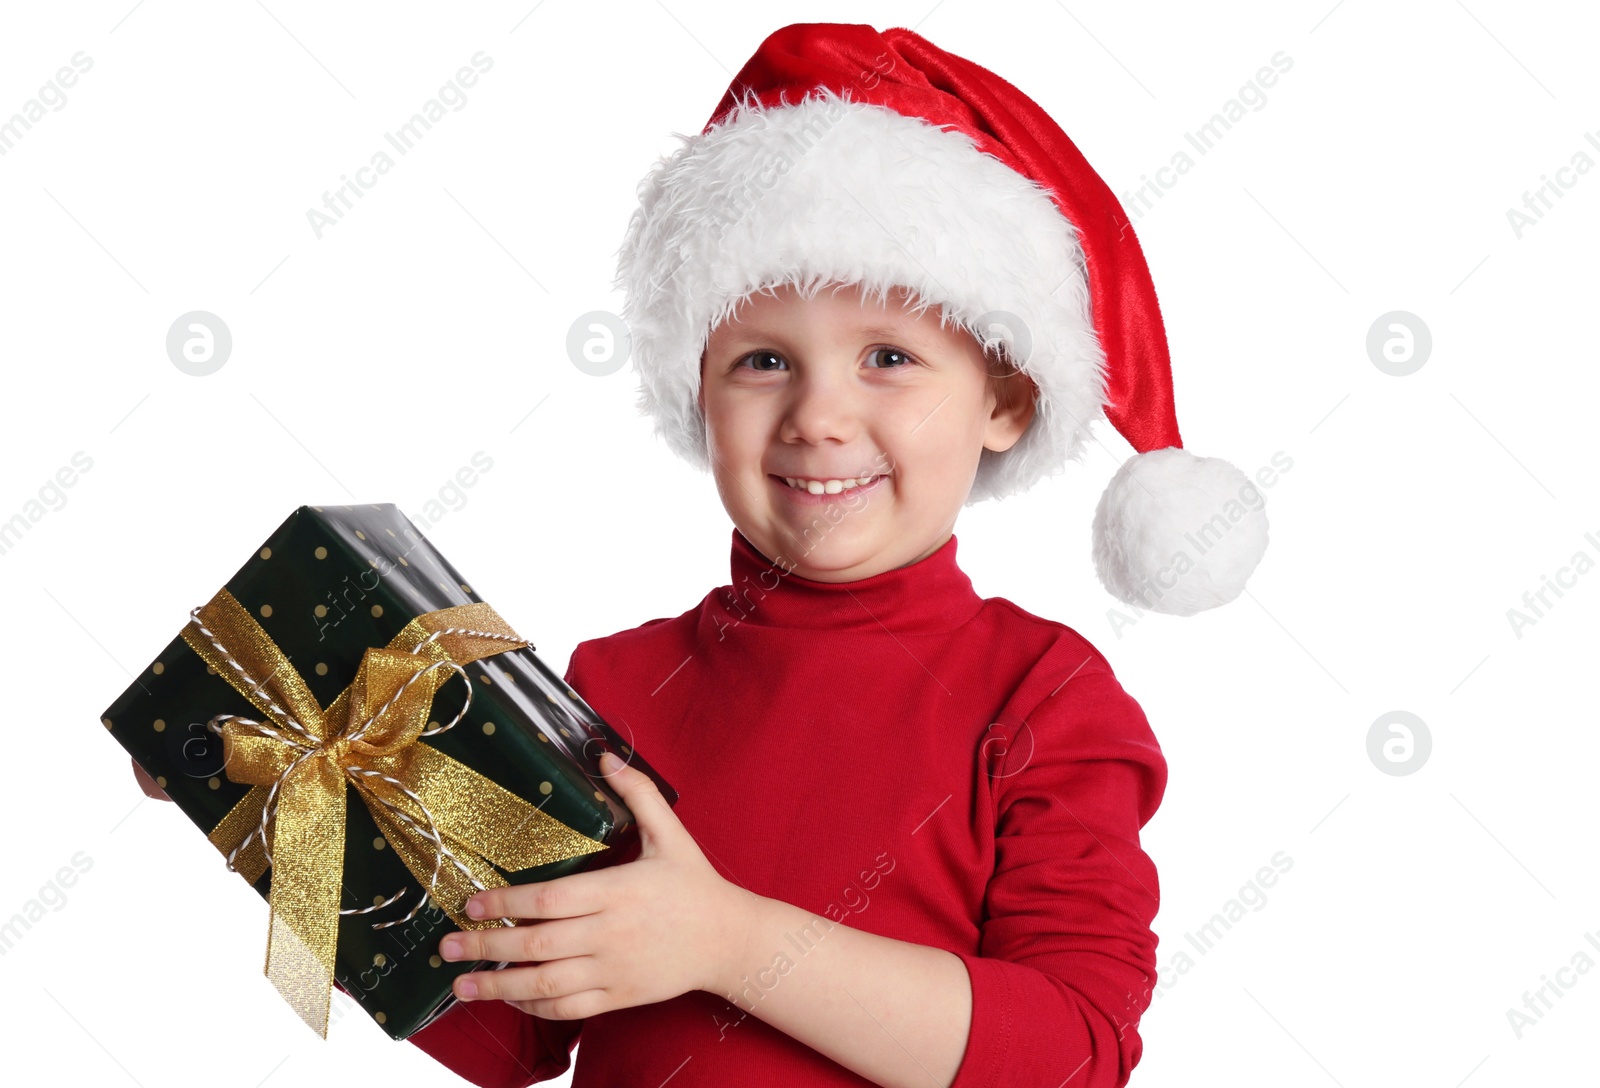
836	387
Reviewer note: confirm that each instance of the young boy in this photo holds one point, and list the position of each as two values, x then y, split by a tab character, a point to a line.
881	285
907	846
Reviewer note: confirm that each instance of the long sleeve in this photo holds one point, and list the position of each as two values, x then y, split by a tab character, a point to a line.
1066	962
494	1044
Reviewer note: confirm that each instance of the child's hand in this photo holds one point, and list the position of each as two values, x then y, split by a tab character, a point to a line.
148	784
634	934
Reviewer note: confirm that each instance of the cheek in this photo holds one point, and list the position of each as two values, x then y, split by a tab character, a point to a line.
735	431
940	456
938	430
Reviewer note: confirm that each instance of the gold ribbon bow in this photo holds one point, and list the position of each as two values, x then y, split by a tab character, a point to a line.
446	822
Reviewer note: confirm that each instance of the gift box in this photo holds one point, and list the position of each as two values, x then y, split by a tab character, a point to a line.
348	715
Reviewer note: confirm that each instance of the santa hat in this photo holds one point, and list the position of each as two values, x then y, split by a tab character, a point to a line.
840	154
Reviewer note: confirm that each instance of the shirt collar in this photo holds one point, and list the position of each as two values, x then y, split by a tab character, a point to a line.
928	596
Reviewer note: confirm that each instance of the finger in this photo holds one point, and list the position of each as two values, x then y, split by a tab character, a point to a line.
149	785
563	897
642	796
578	1006
535	942
543	982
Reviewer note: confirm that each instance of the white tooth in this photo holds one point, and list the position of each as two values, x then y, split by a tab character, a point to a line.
828	487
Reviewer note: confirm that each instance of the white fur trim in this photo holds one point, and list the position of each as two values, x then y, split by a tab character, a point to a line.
1178	533
830	190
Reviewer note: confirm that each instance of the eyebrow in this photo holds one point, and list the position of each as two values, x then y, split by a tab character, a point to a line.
914	338
882	332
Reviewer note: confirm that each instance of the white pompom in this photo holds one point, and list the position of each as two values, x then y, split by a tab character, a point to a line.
1177	533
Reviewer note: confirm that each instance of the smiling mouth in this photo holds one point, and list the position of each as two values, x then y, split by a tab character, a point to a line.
844	486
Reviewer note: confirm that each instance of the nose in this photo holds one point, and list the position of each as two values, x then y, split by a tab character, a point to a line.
824	404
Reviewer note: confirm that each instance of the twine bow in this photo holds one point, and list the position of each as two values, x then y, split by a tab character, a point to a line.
449	824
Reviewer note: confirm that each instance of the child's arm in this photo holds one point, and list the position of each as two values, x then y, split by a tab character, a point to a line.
895	1012
1067	958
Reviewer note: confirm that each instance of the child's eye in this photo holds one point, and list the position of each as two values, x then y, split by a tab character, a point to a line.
760	358
894	358
769	361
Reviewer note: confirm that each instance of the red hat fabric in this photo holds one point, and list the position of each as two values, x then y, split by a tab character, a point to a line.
902	71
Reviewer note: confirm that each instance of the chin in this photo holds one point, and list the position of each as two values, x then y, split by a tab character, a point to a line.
831	557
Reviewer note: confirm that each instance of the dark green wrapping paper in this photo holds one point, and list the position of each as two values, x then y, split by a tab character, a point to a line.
329	583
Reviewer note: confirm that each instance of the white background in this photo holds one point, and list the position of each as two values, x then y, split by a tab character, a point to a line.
369	365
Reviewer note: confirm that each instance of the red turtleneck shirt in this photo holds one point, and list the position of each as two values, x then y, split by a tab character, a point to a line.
896	754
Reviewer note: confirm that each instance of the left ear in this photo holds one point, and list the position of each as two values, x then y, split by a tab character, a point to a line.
1015	404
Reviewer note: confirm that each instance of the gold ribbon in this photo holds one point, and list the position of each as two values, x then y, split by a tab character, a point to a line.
446	822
